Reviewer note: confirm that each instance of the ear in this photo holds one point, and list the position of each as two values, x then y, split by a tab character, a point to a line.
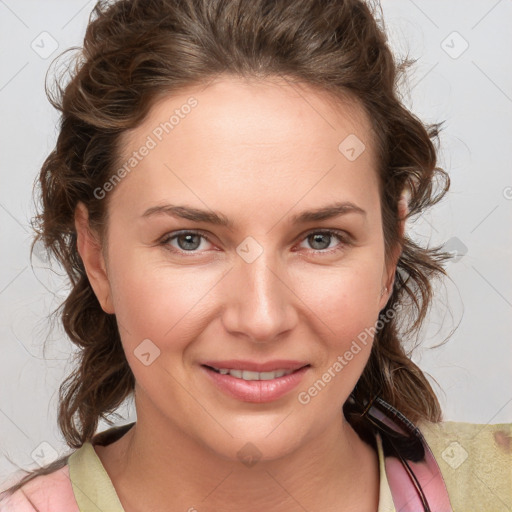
90	250
389	273
403	211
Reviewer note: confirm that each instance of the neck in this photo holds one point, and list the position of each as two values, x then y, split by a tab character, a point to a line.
155	464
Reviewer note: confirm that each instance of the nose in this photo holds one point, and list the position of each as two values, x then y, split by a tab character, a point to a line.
261	302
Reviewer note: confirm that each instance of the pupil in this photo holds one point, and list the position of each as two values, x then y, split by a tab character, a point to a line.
188	245
318	238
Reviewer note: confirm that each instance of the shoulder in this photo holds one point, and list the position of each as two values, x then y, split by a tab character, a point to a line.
51	492
475	461
56	488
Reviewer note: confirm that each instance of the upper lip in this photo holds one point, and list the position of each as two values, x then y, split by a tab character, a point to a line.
253	366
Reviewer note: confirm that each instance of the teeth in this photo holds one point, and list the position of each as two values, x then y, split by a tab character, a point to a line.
247	375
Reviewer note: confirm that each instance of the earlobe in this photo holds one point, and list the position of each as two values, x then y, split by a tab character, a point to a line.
388	275
90	250
384	297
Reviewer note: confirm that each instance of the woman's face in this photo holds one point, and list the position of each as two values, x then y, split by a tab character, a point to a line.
236	274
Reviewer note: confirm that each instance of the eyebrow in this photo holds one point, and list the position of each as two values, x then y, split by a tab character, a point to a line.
211	217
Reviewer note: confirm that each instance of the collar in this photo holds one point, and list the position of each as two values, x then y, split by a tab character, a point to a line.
410	480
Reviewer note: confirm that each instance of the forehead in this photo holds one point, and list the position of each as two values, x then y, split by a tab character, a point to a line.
253	111
247	134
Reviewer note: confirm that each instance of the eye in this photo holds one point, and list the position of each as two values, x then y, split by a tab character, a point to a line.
191	241
186	241
320	241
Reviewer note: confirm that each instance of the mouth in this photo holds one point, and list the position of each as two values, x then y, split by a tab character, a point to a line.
248	385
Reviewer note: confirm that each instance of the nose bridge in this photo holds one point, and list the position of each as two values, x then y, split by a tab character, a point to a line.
261	304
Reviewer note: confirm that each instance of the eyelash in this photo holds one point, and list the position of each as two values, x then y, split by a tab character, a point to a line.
340	235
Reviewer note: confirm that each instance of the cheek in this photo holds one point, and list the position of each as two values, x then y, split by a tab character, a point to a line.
346	310
345	299
345	307
157	315
158	302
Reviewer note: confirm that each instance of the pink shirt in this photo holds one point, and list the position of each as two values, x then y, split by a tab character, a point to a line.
46	493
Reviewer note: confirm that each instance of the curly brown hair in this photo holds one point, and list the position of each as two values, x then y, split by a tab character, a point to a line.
138	51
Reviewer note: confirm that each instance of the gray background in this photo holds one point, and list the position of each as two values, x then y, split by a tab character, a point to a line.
470	88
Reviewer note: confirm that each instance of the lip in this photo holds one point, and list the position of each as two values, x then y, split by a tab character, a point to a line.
253	366
256	391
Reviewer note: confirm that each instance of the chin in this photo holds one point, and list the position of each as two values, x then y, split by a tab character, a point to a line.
267	440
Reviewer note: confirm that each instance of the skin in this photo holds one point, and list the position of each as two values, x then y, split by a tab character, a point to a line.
259	153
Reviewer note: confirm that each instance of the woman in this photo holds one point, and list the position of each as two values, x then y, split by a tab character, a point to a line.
228	195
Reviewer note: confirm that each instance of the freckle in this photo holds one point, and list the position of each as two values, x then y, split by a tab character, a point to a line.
503	440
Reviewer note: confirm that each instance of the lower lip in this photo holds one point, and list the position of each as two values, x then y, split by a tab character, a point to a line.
258	391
